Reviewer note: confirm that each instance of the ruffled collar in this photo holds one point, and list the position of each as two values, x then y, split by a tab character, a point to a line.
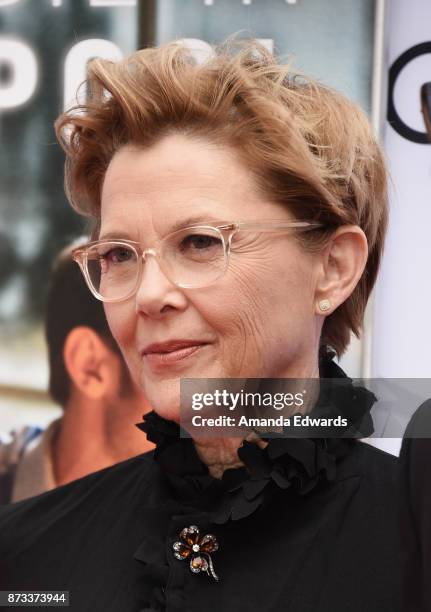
302	464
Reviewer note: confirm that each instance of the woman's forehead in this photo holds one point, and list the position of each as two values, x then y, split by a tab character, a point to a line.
141	220
175	158
155	187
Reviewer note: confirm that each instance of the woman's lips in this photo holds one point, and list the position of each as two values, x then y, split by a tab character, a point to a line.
170	353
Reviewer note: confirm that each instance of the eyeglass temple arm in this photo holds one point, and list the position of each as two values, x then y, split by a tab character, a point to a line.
271	226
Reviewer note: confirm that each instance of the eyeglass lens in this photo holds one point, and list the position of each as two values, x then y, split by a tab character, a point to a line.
193	257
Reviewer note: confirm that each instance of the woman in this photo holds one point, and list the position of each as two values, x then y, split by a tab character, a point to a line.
240	215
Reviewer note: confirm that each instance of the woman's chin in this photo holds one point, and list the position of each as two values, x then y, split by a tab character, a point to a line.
169	412
164	398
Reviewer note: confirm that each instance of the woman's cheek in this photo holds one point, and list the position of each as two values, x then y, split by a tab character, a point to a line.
242	343
122	324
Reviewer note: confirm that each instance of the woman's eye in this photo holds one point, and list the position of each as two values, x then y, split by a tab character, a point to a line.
116	255
199	242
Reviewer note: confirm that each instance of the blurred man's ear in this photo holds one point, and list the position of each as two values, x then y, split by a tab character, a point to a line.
88	362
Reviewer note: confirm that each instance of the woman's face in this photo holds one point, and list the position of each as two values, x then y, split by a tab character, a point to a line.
258	320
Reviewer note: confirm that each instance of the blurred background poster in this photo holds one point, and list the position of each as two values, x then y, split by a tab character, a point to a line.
44	48
402	338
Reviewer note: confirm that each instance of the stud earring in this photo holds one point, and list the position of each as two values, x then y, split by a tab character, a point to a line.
324	305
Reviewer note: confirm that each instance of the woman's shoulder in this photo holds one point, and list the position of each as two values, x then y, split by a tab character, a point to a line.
376	467
130	477
68	535
377	458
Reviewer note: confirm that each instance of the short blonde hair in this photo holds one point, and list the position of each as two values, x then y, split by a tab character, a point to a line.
308	147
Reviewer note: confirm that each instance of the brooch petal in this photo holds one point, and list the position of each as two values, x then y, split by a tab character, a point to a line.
190	535
181	550
209	544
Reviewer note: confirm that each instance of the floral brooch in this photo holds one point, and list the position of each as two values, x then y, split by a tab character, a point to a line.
198	549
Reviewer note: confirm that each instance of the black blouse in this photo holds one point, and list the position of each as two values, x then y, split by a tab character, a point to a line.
307	525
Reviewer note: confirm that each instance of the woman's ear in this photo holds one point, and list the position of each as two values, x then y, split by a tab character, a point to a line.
87	360
342	264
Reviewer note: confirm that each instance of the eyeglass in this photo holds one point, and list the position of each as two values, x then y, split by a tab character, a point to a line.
190	258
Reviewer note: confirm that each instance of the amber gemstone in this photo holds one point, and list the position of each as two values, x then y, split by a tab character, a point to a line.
209	544
190	535
182	551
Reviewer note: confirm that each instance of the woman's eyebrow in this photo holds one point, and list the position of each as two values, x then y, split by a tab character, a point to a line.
178	225
196	220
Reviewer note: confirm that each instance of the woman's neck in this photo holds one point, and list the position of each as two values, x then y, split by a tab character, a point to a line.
220	454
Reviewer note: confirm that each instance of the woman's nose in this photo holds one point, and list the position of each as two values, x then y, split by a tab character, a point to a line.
156	294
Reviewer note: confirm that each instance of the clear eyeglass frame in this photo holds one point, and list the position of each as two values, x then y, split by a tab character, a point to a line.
225	232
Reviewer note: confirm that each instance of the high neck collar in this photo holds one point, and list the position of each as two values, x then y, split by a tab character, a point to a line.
299	464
